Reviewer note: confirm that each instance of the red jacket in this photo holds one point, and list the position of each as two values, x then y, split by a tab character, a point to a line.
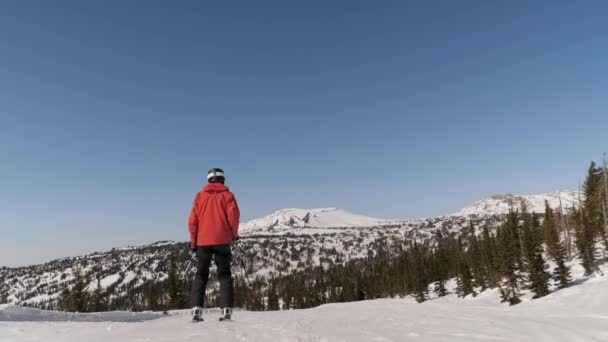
214	219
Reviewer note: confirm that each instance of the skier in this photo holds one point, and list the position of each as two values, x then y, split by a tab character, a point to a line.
213	226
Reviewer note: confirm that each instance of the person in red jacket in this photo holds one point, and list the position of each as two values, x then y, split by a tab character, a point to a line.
213	225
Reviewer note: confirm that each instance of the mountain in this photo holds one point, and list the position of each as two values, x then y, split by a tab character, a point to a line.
500	204
283	242
291	219
312	220
124	274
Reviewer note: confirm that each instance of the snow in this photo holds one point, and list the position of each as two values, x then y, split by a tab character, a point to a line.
578	313
294	220
9	313
107	281
42	297
163	243
500	204
129	276
317	218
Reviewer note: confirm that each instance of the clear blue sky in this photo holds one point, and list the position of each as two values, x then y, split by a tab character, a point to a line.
111	112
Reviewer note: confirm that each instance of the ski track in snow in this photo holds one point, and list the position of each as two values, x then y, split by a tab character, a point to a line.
579	313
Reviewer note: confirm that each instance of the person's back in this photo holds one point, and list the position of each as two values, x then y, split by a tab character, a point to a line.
213	225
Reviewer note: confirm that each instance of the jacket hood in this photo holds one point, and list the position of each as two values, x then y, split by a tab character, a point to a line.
215	187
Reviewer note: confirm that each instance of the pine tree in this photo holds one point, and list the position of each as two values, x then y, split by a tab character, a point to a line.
97	299
604	200
488	258
288	300
474	259
464	281
509	256
532	249
418	276
594	203
440	272
513	228
176	297
66	299
152	296
555	248
78	295
585	241
273	299
440	262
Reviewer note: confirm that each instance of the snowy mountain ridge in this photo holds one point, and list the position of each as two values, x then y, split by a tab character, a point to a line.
124	273
285	241
286	219
293	218
501	204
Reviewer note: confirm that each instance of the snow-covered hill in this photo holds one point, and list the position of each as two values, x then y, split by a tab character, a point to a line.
289	219
297	220
577	313
125	272
500	204
284	241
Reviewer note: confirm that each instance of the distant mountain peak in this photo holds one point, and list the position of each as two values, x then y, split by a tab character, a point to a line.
290	218
501	203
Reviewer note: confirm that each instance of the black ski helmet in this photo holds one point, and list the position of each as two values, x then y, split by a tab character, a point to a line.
216	175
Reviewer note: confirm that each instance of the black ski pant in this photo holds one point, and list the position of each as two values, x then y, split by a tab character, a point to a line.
223	257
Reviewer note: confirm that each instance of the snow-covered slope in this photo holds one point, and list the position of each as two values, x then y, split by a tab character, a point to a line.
13	313
500	204
315	218
578	313
285	241
123	273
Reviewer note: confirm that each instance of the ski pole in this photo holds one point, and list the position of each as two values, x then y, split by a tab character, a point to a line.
185	274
